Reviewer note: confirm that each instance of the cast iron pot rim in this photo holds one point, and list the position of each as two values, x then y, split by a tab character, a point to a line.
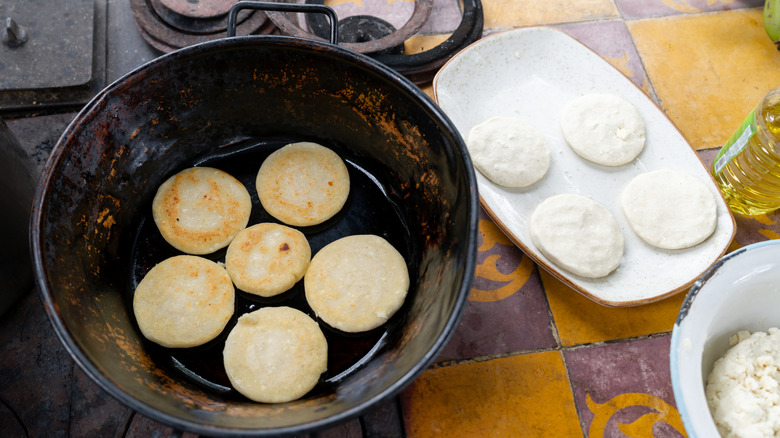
86	113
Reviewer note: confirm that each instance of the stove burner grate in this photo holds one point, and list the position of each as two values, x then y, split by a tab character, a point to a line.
168	25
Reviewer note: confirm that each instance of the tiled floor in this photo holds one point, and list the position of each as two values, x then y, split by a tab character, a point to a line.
531	357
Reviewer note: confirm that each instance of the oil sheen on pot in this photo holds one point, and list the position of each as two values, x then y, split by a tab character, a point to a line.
371	208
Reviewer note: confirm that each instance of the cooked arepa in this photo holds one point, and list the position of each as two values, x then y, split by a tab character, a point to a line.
267	259
303	184
184	301
201	209
275	354
356	283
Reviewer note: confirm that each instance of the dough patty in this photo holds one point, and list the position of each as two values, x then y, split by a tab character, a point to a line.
509	151
267	259
603	128
577	234
184	301
199	210
275	354
669	209
356	283
303	184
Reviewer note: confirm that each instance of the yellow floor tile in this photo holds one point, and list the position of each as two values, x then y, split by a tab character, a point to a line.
527	395
422	43
708	70
501	14
427	89
581	321
419	44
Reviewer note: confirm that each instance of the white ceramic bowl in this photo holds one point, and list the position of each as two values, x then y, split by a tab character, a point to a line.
741	291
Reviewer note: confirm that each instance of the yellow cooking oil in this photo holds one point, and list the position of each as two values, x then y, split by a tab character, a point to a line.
747	168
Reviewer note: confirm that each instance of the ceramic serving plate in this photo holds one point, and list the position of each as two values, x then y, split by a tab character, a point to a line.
531	73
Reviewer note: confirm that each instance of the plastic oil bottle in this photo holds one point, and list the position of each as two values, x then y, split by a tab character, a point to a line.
747	168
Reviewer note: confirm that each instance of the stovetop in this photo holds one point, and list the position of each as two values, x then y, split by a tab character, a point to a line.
73	49
56	55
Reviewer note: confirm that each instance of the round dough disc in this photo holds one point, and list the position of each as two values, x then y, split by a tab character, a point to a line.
669	209
184	301
577	234
199	210
356	283
509	151
267	259
603	128
303	184
275	354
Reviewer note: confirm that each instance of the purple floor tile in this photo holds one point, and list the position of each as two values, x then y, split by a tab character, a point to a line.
625	385
611	39
633	9
520	321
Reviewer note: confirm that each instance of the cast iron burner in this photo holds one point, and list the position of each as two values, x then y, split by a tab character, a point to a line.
378	39
171	24
359	29
168	25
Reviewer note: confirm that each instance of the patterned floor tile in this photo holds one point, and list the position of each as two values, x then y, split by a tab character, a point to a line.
581	321
624	389
631	9
507	310
525	396
752	229
502	14
611	40
707	89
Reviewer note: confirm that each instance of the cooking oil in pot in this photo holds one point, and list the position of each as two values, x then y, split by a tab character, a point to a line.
747	168
373	207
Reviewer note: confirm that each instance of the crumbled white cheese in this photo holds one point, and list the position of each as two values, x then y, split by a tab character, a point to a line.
743	389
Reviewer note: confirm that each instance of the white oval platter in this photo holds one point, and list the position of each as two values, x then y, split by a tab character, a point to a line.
531	73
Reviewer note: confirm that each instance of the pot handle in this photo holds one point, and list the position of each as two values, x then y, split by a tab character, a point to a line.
283	7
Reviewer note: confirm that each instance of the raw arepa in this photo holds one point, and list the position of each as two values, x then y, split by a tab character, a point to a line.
577	234
303	184
669	209
267	259
199	210
509	151
356	283
275	354
184	301
603	128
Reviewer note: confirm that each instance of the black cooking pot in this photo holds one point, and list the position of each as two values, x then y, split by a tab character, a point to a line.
228	104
